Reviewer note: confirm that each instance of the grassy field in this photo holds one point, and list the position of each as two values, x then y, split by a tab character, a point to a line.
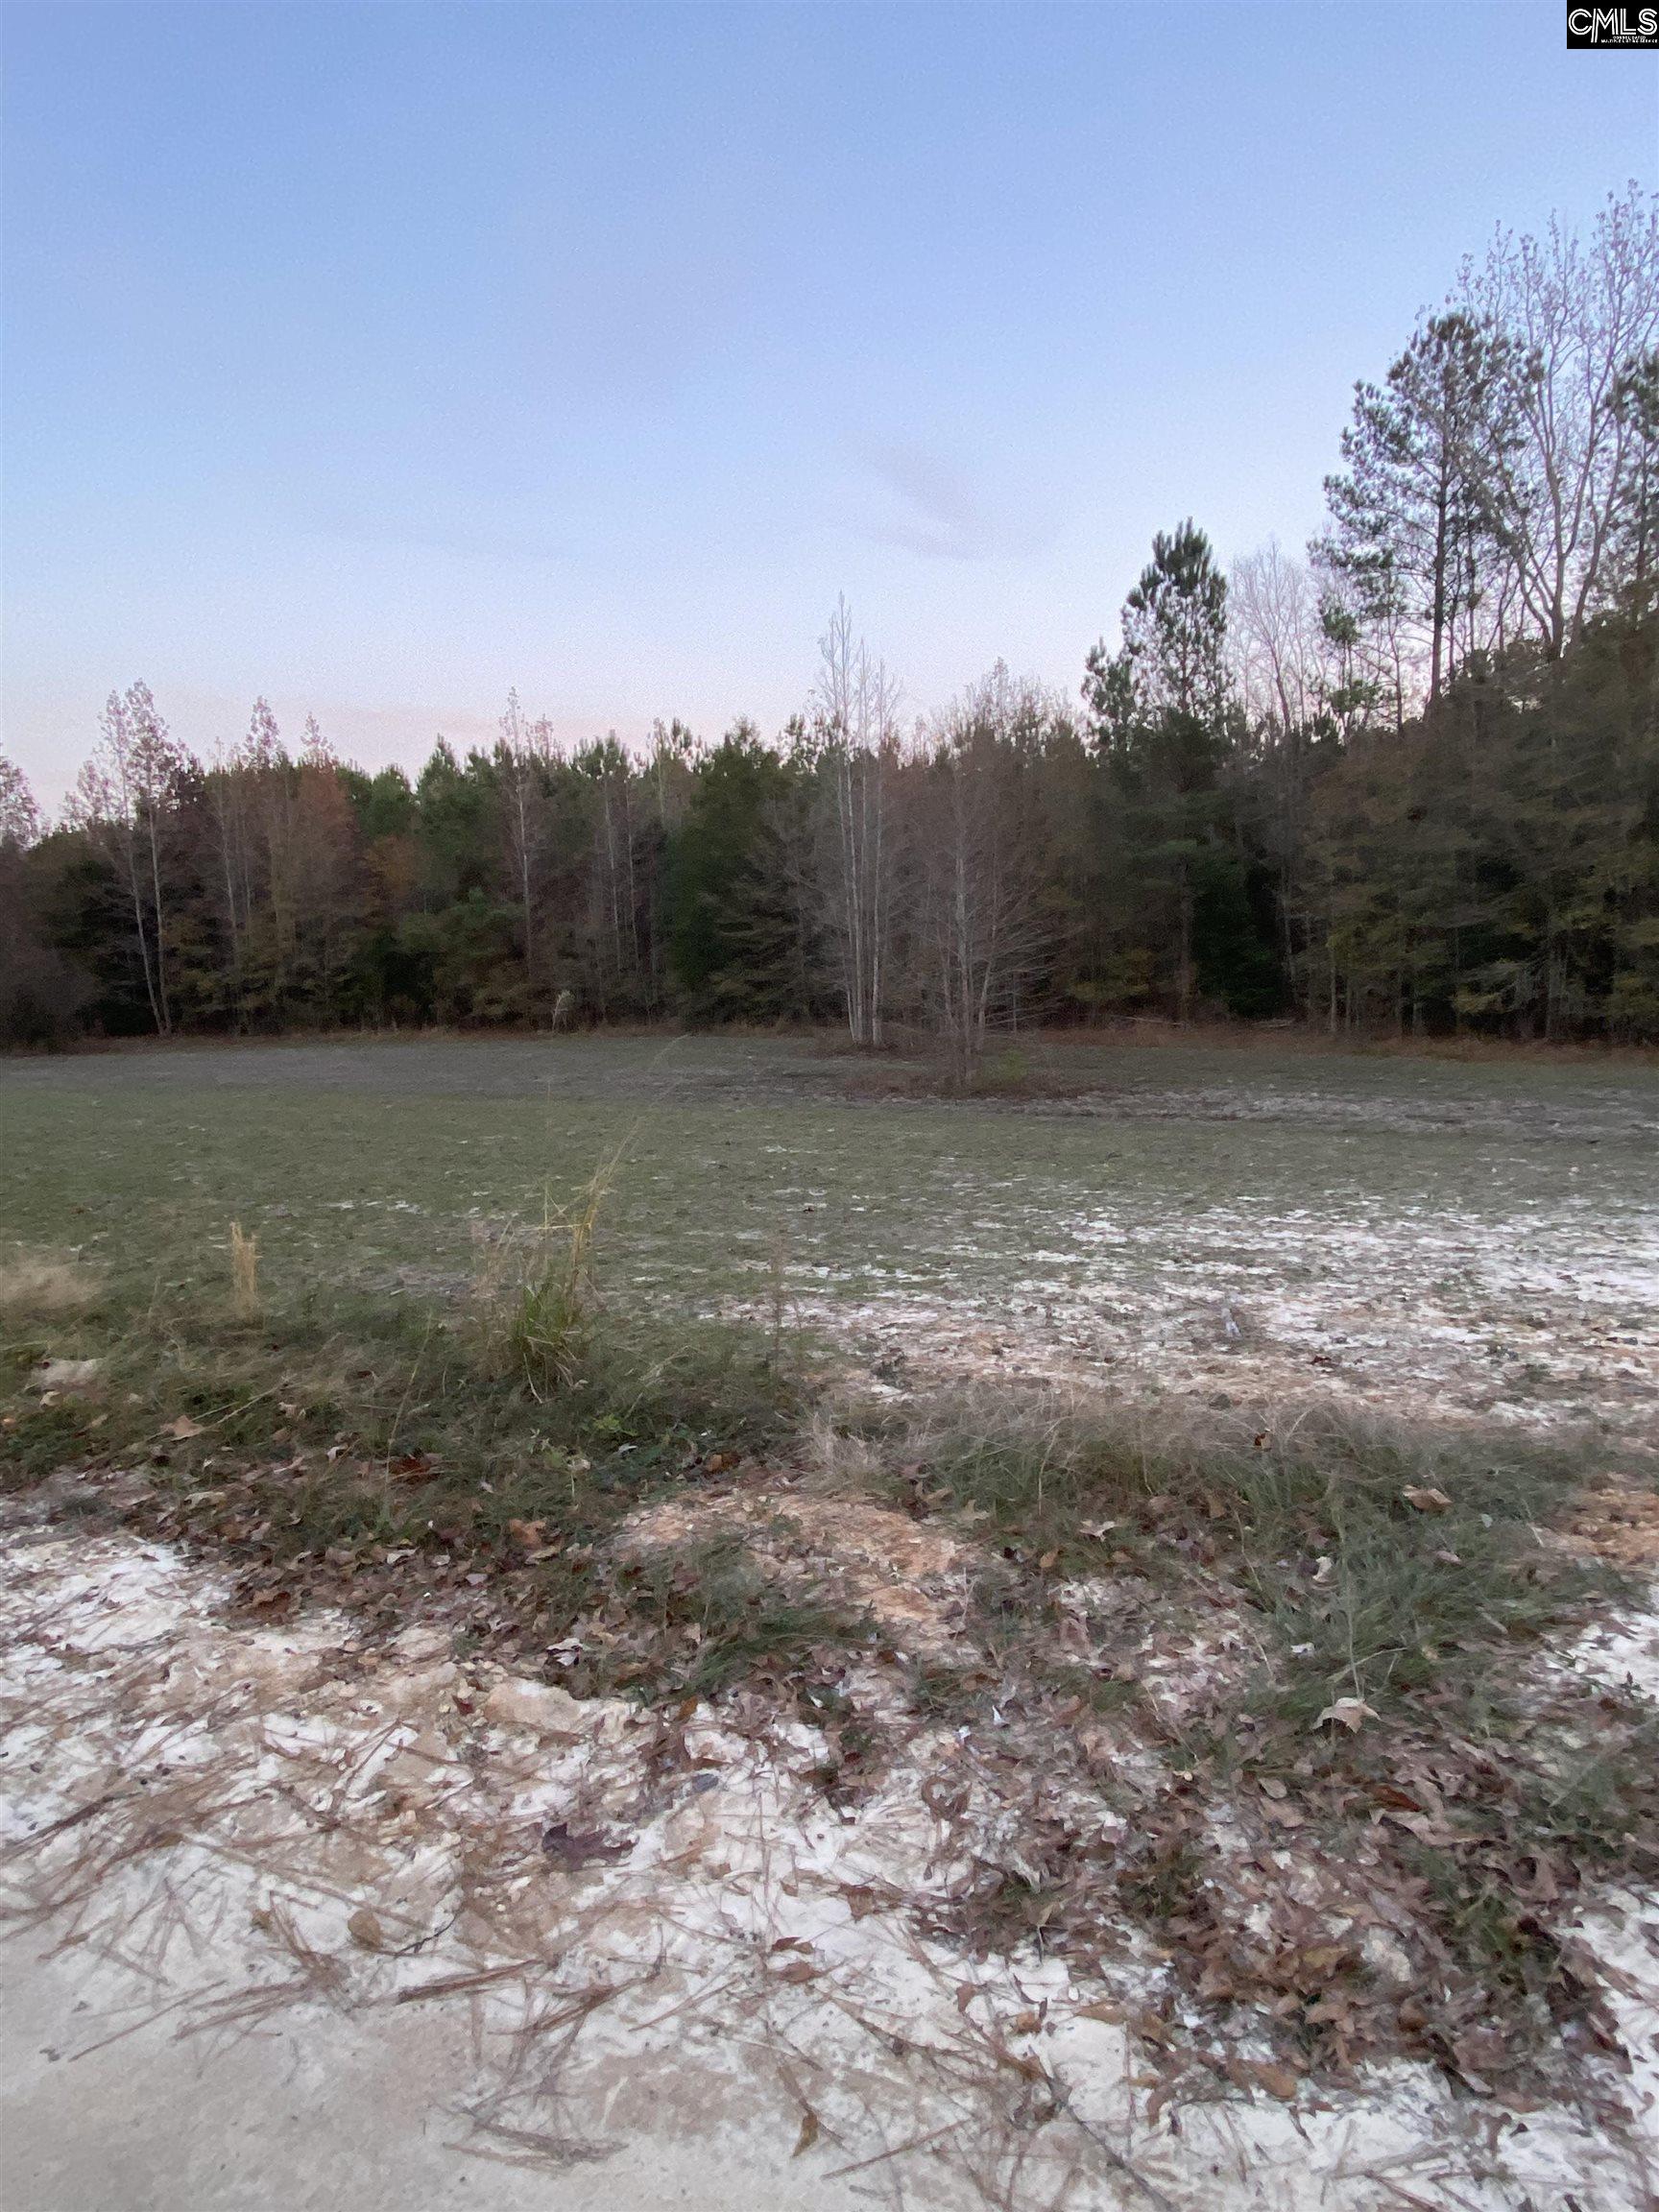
1235	1409
1479	1236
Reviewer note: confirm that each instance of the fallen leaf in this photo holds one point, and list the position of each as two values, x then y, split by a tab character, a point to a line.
1425	1500
809	2134
1428	1831
581	1849
184	1428
1351	1712
365	1929
1278	2081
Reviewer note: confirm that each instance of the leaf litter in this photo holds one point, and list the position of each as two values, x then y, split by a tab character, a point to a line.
978	1961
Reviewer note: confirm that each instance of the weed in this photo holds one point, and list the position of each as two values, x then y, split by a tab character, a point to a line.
541	1318
246	1303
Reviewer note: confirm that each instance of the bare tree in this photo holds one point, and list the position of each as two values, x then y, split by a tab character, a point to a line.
1579	316
19	815
124	799
1274	641
977	861
855	704
523	752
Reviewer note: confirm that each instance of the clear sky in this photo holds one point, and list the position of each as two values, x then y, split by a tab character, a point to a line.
379	357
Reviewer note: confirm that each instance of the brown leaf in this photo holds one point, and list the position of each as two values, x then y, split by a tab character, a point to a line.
1351	1713
1425	1500
581	1849
184	1428
1428	1831
1047	1561
809	2134
1103	2009
1320	1957
1278	2081
365	1929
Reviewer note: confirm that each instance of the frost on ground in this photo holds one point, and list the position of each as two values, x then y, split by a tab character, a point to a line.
278	1848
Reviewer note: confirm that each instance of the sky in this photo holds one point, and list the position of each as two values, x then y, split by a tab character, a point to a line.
379	357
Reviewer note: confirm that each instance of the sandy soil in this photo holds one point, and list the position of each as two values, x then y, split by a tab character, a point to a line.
294	1920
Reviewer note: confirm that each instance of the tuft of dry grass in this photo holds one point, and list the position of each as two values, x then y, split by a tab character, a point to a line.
538	1294
244	1274
37	1287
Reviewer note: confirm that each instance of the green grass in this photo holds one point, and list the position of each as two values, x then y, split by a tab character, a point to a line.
1354	1590
379	1434
370	1165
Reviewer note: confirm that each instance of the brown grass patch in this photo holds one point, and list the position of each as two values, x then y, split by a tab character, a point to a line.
1619	1520
911	1578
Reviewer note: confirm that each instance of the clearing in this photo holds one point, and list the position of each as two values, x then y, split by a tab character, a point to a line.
1091	1644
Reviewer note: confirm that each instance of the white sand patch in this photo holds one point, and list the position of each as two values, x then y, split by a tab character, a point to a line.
1542	1317
281	1856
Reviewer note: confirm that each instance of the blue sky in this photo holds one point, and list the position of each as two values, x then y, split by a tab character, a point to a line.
379	357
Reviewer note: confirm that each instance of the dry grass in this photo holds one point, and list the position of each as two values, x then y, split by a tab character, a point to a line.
537	1292
246	1302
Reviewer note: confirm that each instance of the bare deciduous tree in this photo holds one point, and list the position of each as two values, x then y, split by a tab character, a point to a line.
1581	315
522	753
124	799
977	861
855	705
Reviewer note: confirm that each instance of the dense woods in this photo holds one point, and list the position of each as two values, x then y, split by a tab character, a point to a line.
1409	782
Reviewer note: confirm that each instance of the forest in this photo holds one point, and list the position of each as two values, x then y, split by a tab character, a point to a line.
1406	782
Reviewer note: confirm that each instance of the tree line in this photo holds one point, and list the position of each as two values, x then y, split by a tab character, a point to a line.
1409	780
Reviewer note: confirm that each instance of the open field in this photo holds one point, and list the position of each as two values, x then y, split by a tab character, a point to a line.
1091	1646
1473	1237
